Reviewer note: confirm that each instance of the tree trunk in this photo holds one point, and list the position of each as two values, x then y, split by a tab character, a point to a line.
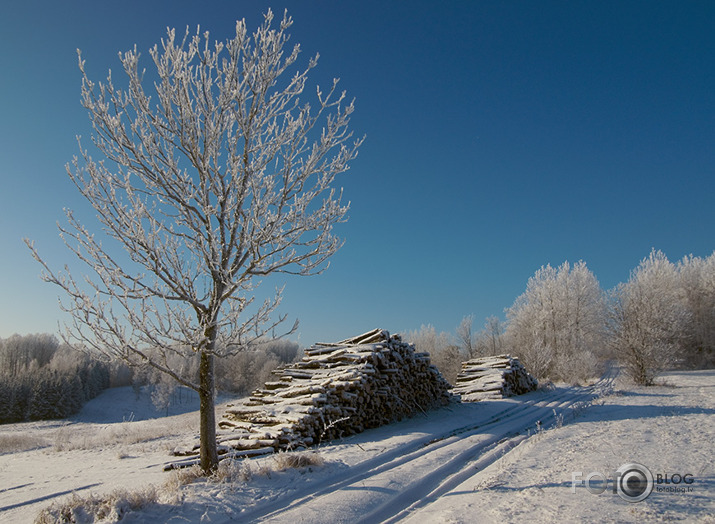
209	453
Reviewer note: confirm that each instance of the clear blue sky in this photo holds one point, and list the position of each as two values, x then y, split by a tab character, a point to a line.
501	136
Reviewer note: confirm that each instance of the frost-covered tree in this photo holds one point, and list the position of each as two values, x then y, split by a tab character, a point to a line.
54	384
221	176
490	340
18	352
248	370
557	325
443	353
466	336
649	319
697	281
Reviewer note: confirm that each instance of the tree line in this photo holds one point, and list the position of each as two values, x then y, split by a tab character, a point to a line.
565	326
41	379
240	371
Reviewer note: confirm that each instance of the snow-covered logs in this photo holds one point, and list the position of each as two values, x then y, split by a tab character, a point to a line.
493	378
335	390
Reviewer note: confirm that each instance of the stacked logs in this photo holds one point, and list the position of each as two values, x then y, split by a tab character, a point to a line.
335	390
493	378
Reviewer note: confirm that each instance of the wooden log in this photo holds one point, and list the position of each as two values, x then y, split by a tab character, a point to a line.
337	389
491	377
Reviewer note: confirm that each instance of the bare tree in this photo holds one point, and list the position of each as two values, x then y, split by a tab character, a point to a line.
466	336
649	318
557	324
18	352
490	340
222	177
697	280
443	353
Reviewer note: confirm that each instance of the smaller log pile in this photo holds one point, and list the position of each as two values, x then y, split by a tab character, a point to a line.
493	378
335	390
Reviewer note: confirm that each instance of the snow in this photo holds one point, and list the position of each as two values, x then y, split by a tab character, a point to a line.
494	461
124	405
667	429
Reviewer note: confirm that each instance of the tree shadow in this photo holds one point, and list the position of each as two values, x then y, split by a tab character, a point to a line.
625	393
501	487
47	497
701	489
611	412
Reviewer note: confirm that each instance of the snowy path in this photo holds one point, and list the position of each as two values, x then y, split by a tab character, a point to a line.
668	428
392	485
378	474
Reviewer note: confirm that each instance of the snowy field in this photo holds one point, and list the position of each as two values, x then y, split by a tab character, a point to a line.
499	461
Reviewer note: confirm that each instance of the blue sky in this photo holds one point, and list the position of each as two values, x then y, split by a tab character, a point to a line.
501	136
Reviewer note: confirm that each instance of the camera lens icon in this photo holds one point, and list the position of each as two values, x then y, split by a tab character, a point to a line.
635	482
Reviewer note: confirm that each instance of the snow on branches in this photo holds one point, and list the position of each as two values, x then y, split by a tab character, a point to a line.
218	176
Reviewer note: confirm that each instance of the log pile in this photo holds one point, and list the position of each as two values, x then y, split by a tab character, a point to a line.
336	390
493	378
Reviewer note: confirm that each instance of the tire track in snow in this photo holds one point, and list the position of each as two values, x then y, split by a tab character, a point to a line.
488	453
380	489
392	459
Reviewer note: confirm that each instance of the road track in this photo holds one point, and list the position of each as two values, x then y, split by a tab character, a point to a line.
392	485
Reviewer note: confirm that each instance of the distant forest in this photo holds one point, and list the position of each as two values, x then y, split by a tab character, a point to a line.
564	326
42	379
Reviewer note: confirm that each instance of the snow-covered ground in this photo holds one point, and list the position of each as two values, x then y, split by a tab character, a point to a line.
498	461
